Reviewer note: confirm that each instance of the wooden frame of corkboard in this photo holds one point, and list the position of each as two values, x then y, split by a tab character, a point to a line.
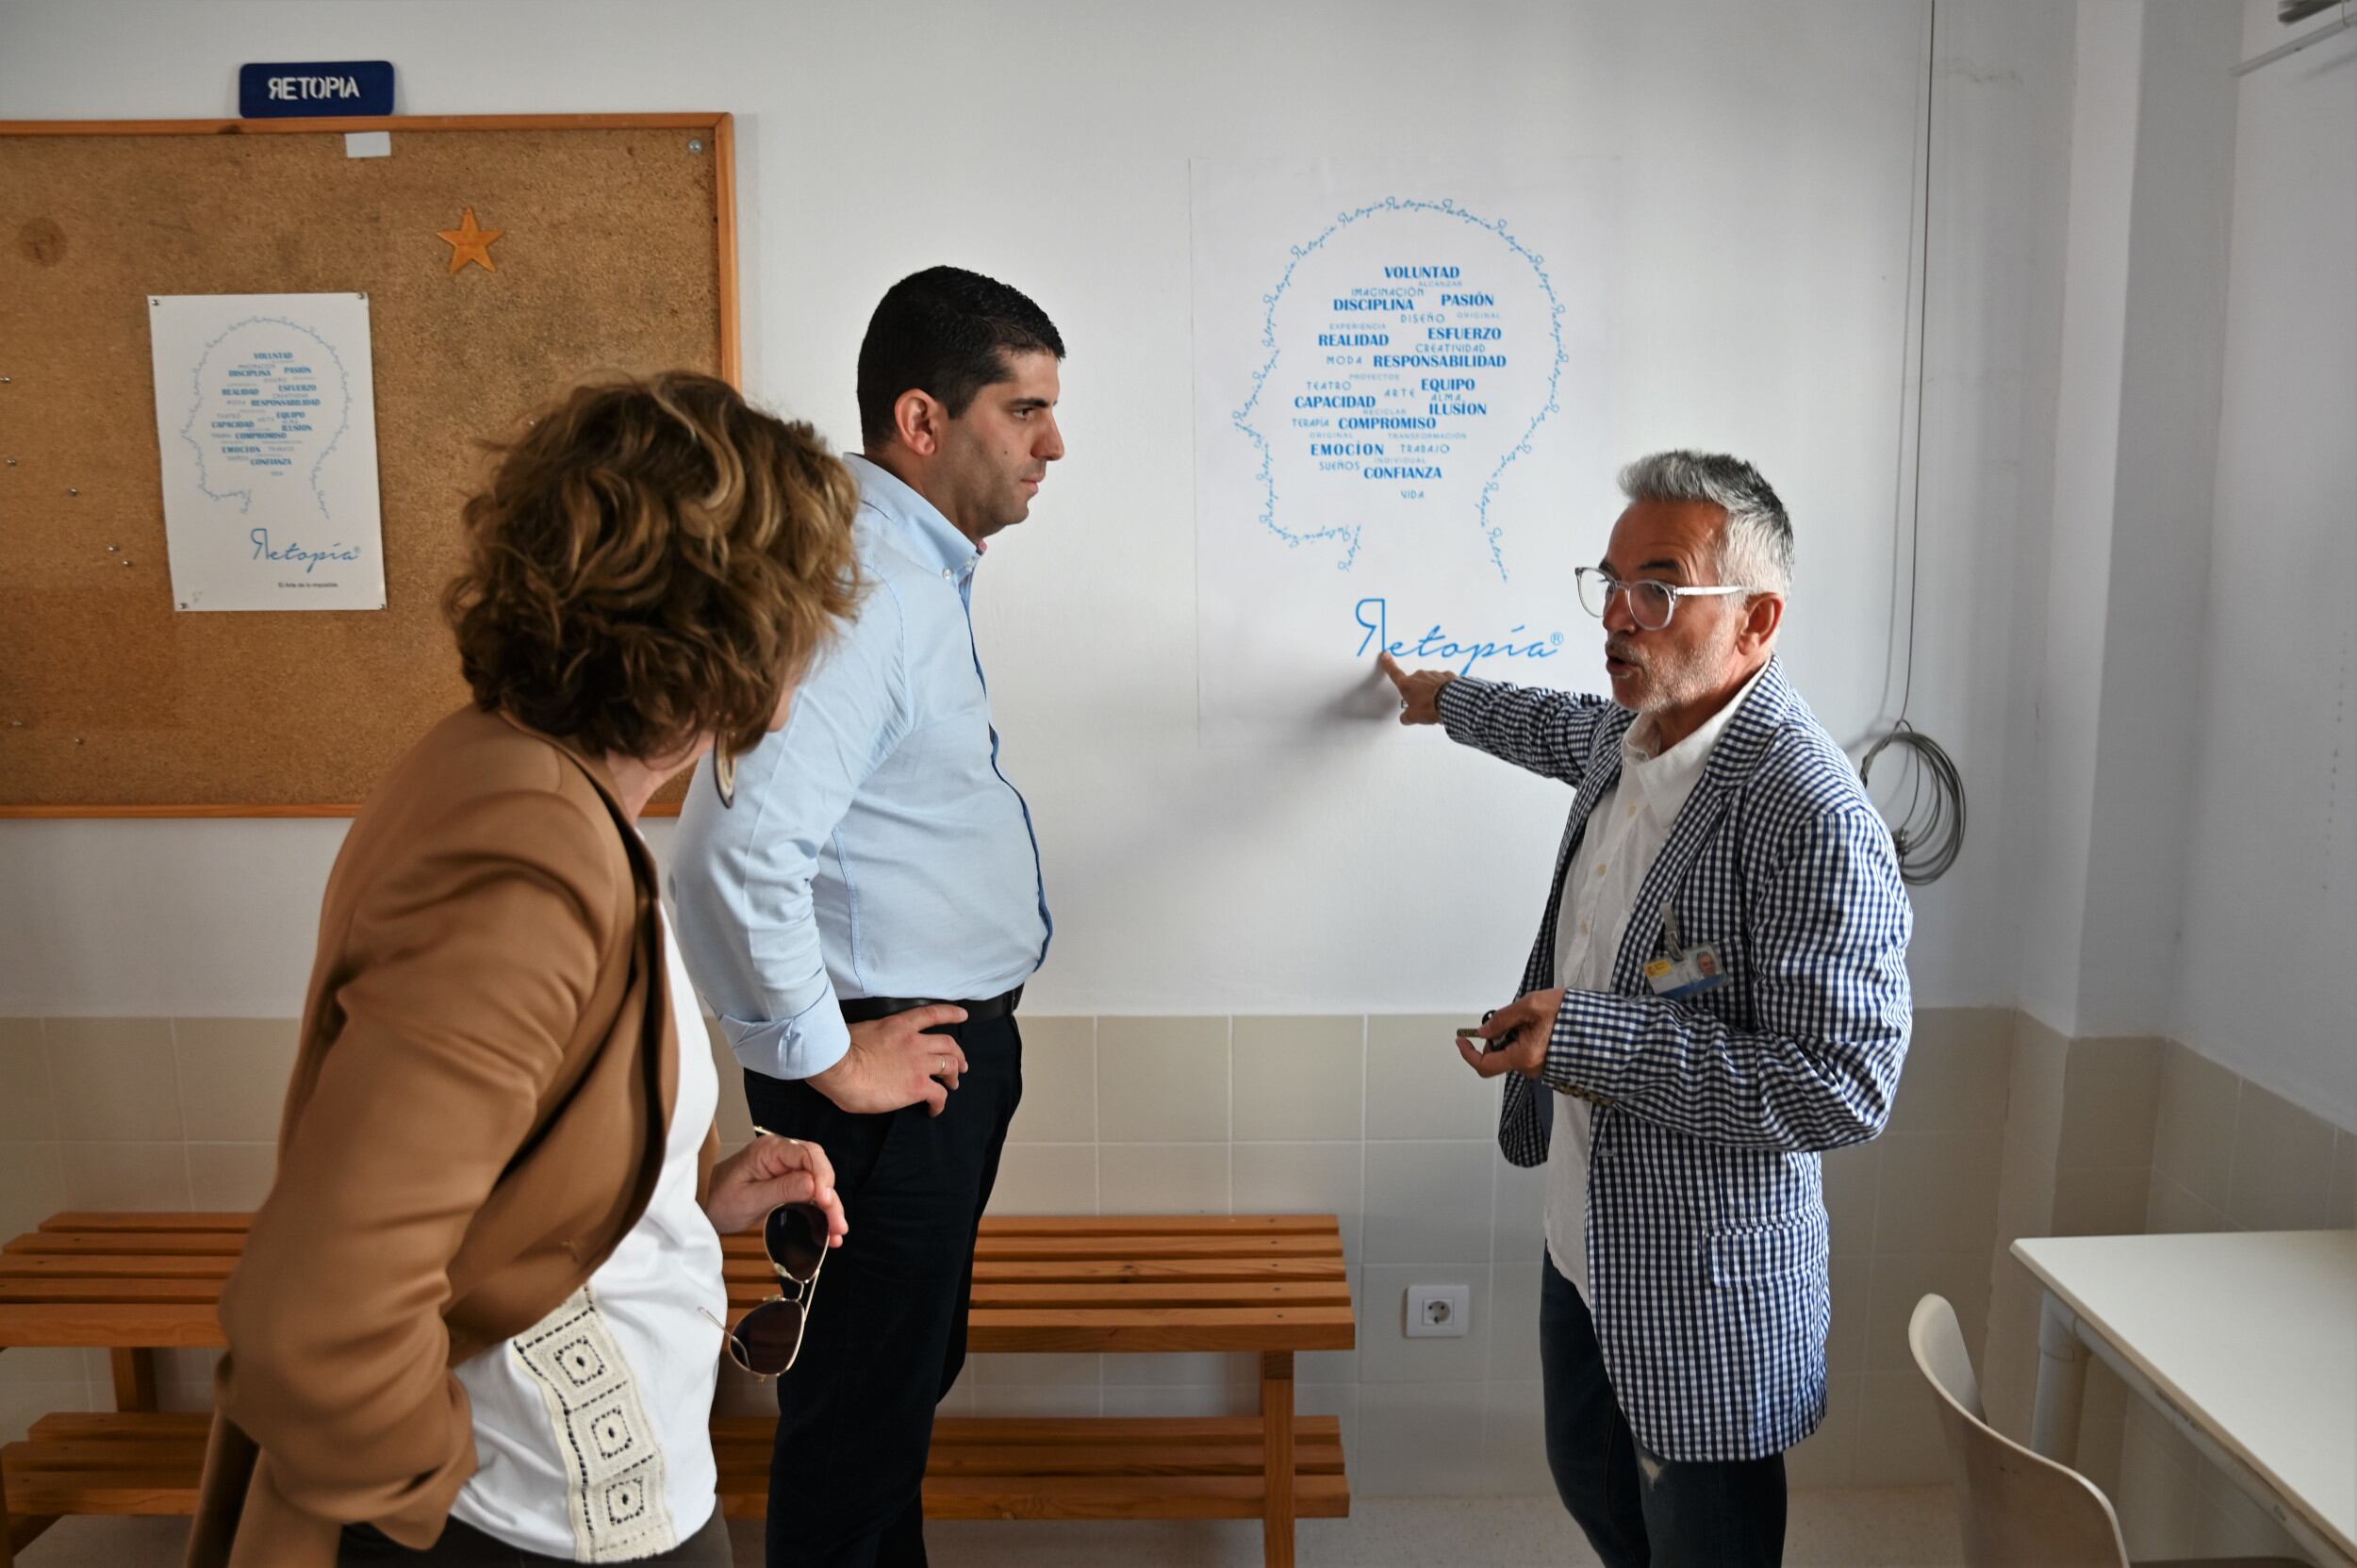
618	252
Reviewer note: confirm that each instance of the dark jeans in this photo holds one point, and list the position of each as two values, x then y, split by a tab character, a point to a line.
462	1547
1640	1511
888	1332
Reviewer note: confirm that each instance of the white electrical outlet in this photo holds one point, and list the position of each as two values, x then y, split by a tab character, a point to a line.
1439	1311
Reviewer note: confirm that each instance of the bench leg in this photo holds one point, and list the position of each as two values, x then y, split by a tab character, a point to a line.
134	1378
1277	1457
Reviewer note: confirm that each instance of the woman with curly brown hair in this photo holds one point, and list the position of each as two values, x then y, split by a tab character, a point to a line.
469	1324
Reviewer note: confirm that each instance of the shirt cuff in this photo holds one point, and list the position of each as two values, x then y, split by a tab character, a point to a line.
1592	1037
804	1046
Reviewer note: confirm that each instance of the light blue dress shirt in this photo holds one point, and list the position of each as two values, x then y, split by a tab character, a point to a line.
874	848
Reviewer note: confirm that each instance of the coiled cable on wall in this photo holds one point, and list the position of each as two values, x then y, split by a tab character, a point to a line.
1929	832
1929	835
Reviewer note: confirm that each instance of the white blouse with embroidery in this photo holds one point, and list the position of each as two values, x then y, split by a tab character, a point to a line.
593	1429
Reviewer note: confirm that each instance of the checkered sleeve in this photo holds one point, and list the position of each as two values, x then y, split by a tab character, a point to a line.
1550	733
1828	990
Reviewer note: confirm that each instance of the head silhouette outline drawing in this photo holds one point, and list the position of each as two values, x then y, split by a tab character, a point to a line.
1413	350
271	400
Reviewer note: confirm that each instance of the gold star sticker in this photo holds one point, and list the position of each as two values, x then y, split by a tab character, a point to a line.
471	243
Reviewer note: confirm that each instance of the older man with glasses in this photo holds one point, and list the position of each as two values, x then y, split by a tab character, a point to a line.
1718	993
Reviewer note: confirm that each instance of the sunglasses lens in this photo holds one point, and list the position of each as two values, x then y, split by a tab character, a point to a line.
767	1337
795	1235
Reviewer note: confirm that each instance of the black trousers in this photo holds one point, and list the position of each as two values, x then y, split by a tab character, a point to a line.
887	1337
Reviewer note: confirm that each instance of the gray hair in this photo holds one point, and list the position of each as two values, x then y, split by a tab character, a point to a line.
1755	542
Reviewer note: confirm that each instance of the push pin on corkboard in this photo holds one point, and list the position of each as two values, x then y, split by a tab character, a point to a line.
471	241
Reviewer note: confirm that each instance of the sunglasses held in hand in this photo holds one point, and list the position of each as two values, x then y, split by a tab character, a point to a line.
765	1340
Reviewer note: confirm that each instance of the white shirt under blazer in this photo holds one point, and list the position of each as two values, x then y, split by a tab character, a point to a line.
1705	1225
1627	825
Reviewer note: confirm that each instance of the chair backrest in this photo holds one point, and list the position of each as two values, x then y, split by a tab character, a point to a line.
2018	1508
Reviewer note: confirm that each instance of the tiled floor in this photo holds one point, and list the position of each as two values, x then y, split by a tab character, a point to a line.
1888	1527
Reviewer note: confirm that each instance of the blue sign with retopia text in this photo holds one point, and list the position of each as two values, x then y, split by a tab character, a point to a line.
318	88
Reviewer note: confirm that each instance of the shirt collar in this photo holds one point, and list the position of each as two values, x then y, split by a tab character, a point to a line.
918	519
1682	765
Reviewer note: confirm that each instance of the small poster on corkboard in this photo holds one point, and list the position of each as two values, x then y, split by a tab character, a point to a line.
266	420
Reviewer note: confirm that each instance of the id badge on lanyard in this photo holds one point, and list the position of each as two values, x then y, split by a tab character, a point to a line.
1684	972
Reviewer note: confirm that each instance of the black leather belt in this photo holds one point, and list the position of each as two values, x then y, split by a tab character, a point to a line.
862	1010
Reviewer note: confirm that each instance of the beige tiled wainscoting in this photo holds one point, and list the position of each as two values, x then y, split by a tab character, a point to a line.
2001	1129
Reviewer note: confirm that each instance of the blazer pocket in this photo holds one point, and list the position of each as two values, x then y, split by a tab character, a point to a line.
1752	1254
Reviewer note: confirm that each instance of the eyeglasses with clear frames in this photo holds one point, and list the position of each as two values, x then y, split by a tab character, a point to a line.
1651	605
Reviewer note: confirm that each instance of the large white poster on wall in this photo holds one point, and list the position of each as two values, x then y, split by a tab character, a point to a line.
1400	398
266	416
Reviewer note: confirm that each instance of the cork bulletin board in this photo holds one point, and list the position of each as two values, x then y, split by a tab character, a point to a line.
615	251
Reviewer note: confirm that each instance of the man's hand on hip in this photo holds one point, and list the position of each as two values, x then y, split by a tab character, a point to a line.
1419	692
893	1062
1524	1027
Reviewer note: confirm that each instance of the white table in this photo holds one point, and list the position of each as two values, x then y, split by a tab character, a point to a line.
2246	1342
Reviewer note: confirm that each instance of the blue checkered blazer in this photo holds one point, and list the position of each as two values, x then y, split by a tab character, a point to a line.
1706	1232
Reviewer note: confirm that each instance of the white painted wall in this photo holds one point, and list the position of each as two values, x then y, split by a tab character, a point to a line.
2267	980
1765	158
2171	354
2059	667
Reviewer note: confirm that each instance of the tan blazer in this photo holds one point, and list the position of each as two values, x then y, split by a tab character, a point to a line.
486	1073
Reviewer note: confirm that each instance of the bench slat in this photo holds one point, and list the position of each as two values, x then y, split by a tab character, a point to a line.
1119	1248
1054	1441
989	1248
1329	1269
1158	1225
181	1266
1082	1468
1172	1329
1030	1460
112	1453
160	1489
1086	1430
142	1219
990	1299
130	1244
1201	1269
993	1225
1240	1293
100	1293
31	1266
88	1325
1108	1498
83	1288
991	1330
65	1426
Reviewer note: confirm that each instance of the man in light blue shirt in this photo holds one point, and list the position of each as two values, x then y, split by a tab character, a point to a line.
863	905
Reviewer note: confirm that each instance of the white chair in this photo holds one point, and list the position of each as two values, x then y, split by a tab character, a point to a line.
2018	1508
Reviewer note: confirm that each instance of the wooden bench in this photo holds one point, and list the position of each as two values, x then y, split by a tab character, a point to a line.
1269	1285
